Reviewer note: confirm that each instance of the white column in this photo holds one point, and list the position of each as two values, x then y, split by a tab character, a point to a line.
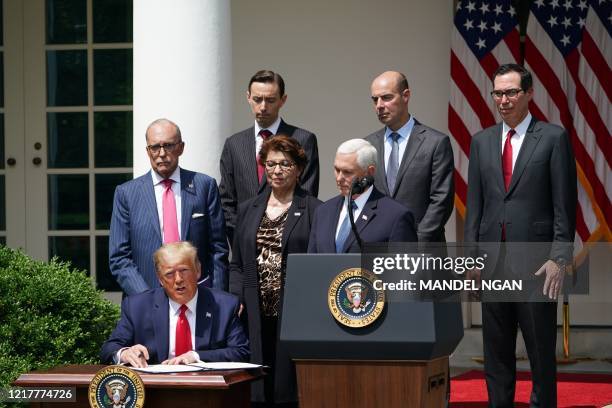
182	71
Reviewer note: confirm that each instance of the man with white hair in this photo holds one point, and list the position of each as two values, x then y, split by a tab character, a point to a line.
377	218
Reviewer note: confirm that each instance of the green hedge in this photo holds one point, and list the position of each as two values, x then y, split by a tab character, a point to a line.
50	314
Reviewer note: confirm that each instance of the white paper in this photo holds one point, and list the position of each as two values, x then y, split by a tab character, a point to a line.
167	368
225	366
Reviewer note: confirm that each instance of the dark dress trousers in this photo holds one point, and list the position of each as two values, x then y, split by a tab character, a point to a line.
244	278
381	220
239	169
219	335
135	233
425	182
539	206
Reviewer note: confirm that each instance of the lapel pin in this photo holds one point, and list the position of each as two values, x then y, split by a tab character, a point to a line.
297	214
190	185
208	315
364	217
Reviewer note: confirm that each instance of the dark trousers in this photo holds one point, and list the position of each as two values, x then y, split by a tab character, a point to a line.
538	323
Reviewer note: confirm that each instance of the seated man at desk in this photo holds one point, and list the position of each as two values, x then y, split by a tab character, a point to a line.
179	323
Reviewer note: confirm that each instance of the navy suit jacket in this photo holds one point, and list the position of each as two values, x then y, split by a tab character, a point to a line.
135	232
219	335
381	220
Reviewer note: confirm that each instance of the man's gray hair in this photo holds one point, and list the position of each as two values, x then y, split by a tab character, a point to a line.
366	153
164	121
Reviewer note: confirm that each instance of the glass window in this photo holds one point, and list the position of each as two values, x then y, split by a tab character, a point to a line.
113	77
1	140
68	201
105	191
2	203
113	139
71	249
1	78
67	78
112	21
66	21
67	140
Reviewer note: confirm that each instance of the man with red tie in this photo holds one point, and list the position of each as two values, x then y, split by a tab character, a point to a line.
166	204
181	322
522	188
241	175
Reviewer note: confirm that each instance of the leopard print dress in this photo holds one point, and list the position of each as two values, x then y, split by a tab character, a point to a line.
269	262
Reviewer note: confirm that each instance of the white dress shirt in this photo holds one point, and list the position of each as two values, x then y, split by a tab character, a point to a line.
517	139
404	134
273	128
159	191
359	202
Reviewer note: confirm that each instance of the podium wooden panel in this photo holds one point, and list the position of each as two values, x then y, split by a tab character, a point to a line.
211	389
389	384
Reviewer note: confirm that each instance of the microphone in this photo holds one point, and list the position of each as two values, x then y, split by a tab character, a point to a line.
361	184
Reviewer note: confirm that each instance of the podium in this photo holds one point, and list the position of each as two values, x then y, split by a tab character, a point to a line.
399	360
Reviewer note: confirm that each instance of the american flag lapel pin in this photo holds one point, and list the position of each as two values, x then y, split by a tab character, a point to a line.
208	315
364	217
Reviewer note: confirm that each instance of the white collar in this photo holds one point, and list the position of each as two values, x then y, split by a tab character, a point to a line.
273	128
520	129
175	176
361	200
191	305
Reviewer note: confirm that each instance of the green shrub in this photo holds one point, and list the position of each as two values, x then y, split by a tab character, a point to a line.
50	314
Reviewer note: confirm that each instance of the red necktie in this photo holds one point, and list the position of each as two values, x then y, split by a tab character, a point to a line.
507	159
171	233
507	169
183	334
265	134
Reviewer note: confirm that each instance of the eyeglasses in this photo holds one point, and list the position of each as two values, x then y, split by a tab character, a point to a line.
168	147
285	165
510	93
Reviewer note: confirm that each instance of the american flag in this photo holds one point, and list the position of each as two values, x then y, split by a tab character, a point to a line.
485	35
569	52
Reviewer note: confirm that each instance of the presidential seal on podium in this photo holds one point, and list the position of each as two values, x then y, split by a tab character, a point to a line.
116	387
352	299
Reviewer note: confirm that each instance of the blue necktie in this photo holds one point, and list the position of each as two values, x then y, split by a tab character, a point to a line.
393	166
345	230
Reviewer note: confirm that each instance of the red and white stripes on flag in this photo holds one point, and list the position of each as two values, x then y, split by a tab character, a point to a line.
568	49
485	35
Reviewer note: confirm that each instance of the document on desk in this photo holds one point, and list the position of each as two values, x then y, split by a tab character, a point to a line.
224	365
167	368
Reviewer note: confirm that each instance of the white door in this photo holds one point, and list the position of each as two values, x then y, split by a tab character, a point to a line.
67	122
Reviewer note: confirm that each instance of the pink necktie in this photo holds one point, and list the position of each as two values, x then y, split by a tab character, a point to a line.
171	233
183	334
265	134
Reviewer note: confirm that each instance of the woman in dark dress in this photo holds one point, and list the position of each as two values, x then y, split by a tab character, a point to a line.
270	226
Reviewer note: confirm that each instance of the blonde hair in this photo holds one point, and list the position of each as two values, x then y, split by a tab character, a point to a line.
181	249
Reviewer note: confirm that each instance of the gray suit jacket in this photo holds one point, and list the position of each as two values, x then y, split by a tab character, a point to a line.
239	169
425	182
540	205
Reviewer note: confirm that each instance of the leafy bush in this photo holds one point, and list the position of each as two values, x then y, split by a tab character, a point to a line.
50	314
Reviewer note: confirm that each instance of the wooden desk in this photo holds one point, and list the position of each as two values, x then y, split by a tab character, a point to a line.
197	389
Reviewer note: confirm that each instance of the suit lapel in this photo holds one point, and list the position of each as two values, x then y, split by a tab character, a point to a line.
204	317
381	172
149	203
255	215
365	217
188	195
532	137
295	213
331	225
496	154
414	143
250	157
161	323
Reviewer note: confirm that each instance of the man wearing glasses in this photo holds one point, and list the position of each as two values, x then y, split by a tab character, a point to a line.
167	204
522	188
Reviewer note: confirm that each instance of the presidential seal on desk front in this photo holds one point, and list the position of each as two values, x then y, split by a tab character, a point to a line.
116	387
353	300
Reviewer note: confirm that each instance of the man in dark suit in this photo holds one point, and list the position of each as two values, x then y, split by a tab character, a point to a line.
164	205
415	162
521	188
241	176
179	323
378	218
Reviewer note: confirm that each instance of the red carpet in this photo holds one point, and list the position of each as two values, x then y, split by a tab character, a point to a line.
469	390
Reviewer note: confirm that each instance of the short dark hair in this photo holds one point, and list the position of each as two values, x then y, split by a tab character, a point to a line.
402	83
287	145
267	76
526	79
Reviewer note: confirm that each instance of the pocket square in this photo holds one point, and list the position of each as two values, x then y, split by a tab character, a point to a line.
197	215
